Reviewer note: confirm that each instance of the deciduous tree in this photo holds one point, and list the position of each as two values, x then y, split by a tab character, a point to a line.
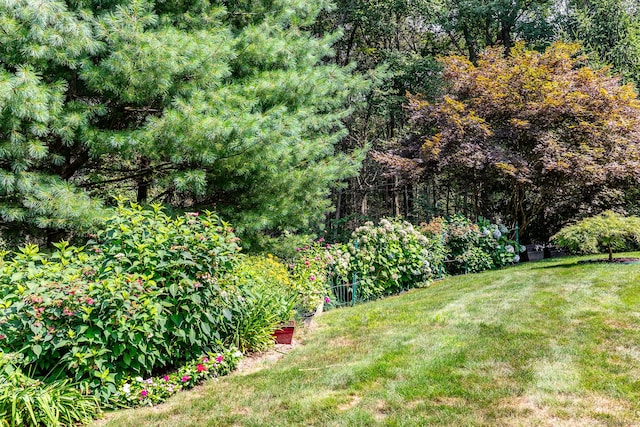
539	136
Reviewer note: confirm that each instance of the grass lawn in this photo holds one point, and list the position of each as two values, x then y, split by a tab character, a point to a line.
550	343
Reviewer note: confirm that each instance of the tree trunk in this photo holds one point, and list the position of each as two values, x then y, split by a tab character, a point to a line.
396	197
142	181
363	205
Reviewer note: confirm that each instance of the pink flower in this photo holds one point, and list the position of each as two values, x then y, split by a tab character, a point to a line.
144	393
219	359
166	378
186	378
327	300
306	263
90	301
201	368
298	249
2	337
205	359
312	277
193	213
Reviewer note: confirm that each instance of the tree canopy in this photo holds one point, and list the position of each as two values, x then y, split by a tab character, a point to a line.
539	133
216	103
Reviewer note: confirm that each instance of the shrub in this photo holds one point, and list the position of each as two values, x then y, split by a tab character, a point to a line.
470	247
496	242
390	258
27	402
146	294
608	231
265	298
309	275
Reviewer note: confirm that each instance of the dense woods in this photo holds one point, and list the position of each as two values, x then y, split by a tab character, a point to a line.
283	116
404	44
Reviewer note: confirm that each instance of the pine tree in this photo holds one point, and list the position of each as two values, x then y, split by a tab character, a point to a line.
225	105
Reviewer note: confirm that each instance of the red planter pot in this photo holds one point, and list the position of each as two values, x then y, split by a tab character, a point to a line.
284	335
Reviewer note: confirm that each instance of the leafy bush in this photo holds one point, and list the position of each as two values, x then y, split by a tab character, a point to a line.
27	402
309	275
266	298
608	231
390	258
496	242
470	247
145	295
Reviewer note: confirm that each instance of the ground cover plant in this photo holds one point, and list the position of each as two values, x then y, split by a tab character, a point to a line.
547	343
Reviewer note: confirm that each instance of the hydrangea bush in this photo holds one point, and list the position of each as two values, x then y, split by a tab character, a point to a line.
390	257
471	247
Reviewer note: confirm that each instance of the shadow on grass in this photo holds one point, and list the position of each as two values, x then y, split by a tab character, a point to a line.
565	265
595	261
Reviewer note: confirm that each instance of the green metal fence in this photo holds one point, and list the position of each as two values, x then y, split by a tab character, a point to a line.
344	290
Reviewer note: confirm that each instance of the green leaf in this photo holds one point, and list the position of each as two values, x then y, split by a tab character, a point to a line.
206	329
36	349
173	289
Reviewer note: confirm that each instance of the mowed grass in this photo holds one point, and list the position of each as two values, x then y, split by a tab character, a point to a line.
550	343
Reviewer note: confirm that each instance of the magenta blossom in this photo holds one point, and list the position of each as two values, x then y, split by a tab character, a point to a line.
144	393
186	378
327	300
201	368
205	359
312	278
166	378
219	359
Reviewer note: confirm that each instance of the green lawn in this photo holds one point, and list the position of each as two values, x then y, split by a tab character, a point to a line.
550	343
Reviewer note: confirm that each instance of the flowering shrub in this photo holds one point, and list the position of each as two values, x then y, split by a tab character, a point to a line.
471	247
145	294
390	257
495	241
156	389
309	275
